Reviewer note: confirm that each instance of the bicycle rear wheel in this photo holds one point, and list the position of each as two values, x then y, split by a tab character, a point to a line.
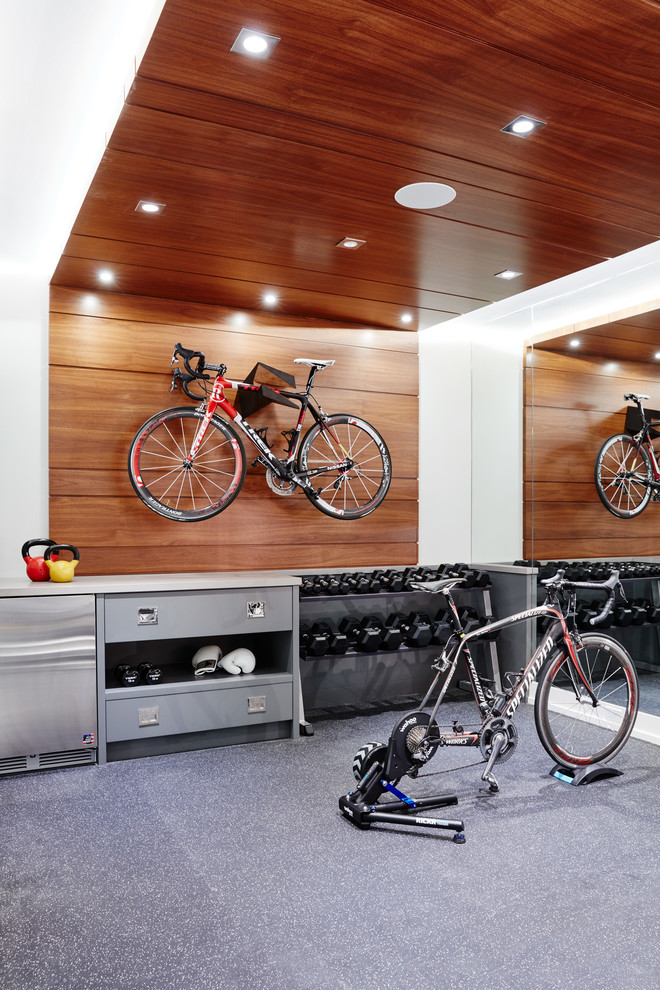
349	466
172	486
573	730
623	476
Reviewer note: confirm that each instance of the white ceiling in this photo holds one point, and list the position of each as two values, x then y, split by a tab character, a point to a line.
65	66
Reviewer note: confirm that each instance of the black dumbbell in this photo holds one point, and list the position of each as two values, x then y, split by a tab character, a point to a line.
441	629
127	675
307	587
150	674
469	618
321	584
315	643
416	630
395	620
337	641
393	580
369	635
638	607
392	636
331	584
622	615
652	613
362	584
482	579
586	612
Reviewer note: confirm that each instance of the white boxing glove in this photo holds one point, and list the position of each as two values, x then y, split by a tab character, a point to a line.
206	659
238	661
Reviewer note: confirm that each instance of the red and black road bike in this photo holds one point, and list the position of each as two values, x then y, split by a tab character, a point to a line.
627	473
188	464
585	705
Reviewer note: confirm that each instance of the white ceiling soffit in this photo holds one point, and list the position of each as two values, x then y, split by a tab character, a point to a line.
631	280
64	70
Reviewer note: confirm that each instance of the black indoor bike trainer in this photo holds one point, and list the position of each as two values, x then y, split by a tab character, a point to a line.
378	766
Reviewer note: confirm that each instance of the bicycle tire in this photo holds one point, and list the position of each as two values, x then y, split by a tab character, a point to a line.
572	731
160	477
365	757
623	494
352	493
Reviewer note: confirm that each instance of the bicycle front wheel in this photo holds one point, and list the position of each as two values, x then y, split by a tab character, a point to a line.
172	485
623	476
572	729
348	466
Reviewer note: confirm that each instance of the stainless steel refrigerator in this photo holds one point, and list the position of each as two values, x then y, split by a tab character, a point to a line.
48	711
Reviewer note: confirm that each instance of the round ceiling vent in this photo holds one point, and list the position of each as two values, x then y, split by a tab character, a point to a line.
424	195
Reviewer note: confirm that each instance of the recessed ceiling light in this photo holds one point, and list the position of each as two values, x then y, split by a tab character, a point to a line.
508	274
575	342
106	276
256	44
350	242
656	356
406	317
523	126
146	206
270	298
424	195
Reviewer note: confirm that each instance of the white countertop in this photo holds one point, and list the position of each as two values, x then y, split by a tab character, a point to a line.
113	584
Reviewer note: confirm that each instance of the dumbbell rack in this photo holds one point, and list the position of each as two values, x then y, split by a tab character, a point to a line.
356	677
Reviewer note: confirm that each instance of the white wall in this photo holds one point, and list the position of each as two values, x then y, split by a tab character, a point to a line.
64	68
24	417
497	451
445	441
470	448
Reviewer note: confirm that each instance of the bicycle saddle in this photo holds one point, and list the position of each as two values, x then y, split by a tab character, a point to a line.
635	398
434	586
312	363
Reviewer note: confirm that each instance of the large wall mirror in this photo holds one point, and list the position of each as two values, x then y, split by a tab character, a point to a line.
574	400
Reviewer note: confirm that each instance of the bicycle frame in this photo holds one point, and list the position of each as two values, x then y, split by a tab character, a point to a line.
501	706
282	468
643	439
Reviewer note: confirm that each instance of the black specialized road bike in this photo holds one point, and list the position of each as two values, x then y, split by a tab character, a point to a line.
189	464
585	705
627	473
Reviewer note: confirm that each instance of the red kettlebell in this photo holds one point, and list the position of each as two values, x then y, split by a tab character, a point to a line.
37	568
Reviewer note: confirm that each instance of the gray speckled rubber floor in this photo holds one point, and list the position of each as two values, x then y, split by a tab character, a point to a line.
232	868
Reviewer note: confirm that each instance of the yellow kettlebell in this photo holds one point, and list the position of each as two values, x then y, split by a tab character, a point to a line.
61	570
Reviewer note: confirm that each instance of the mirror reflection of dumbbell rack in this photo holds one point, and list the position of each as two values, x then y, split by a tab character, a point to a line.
358	618
635	622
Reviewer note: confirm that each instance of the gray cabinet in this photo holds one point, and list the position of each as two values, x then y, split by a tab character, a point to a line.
164	629
61	702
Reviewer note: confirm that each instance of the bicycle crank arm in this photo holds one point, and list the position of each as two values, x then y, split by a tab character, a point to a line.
498	743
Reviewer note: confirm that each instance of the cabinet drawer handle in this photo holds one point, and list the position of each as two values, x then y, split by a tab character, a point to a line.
147	616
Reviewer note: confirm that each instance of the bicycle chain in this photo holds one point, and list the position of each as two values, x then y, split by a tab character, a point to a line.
436	773
465	766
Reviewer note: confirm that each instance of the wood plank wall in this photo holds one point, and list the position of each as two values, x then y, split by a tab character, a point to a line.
572	404
109	372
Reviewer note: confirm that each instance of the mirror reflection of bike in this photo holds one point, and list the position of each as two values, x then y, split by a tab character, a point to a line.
188	464
627	473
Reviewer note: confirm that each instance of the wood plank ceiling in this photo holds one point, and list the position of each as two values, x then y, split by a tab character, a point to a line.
265	165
